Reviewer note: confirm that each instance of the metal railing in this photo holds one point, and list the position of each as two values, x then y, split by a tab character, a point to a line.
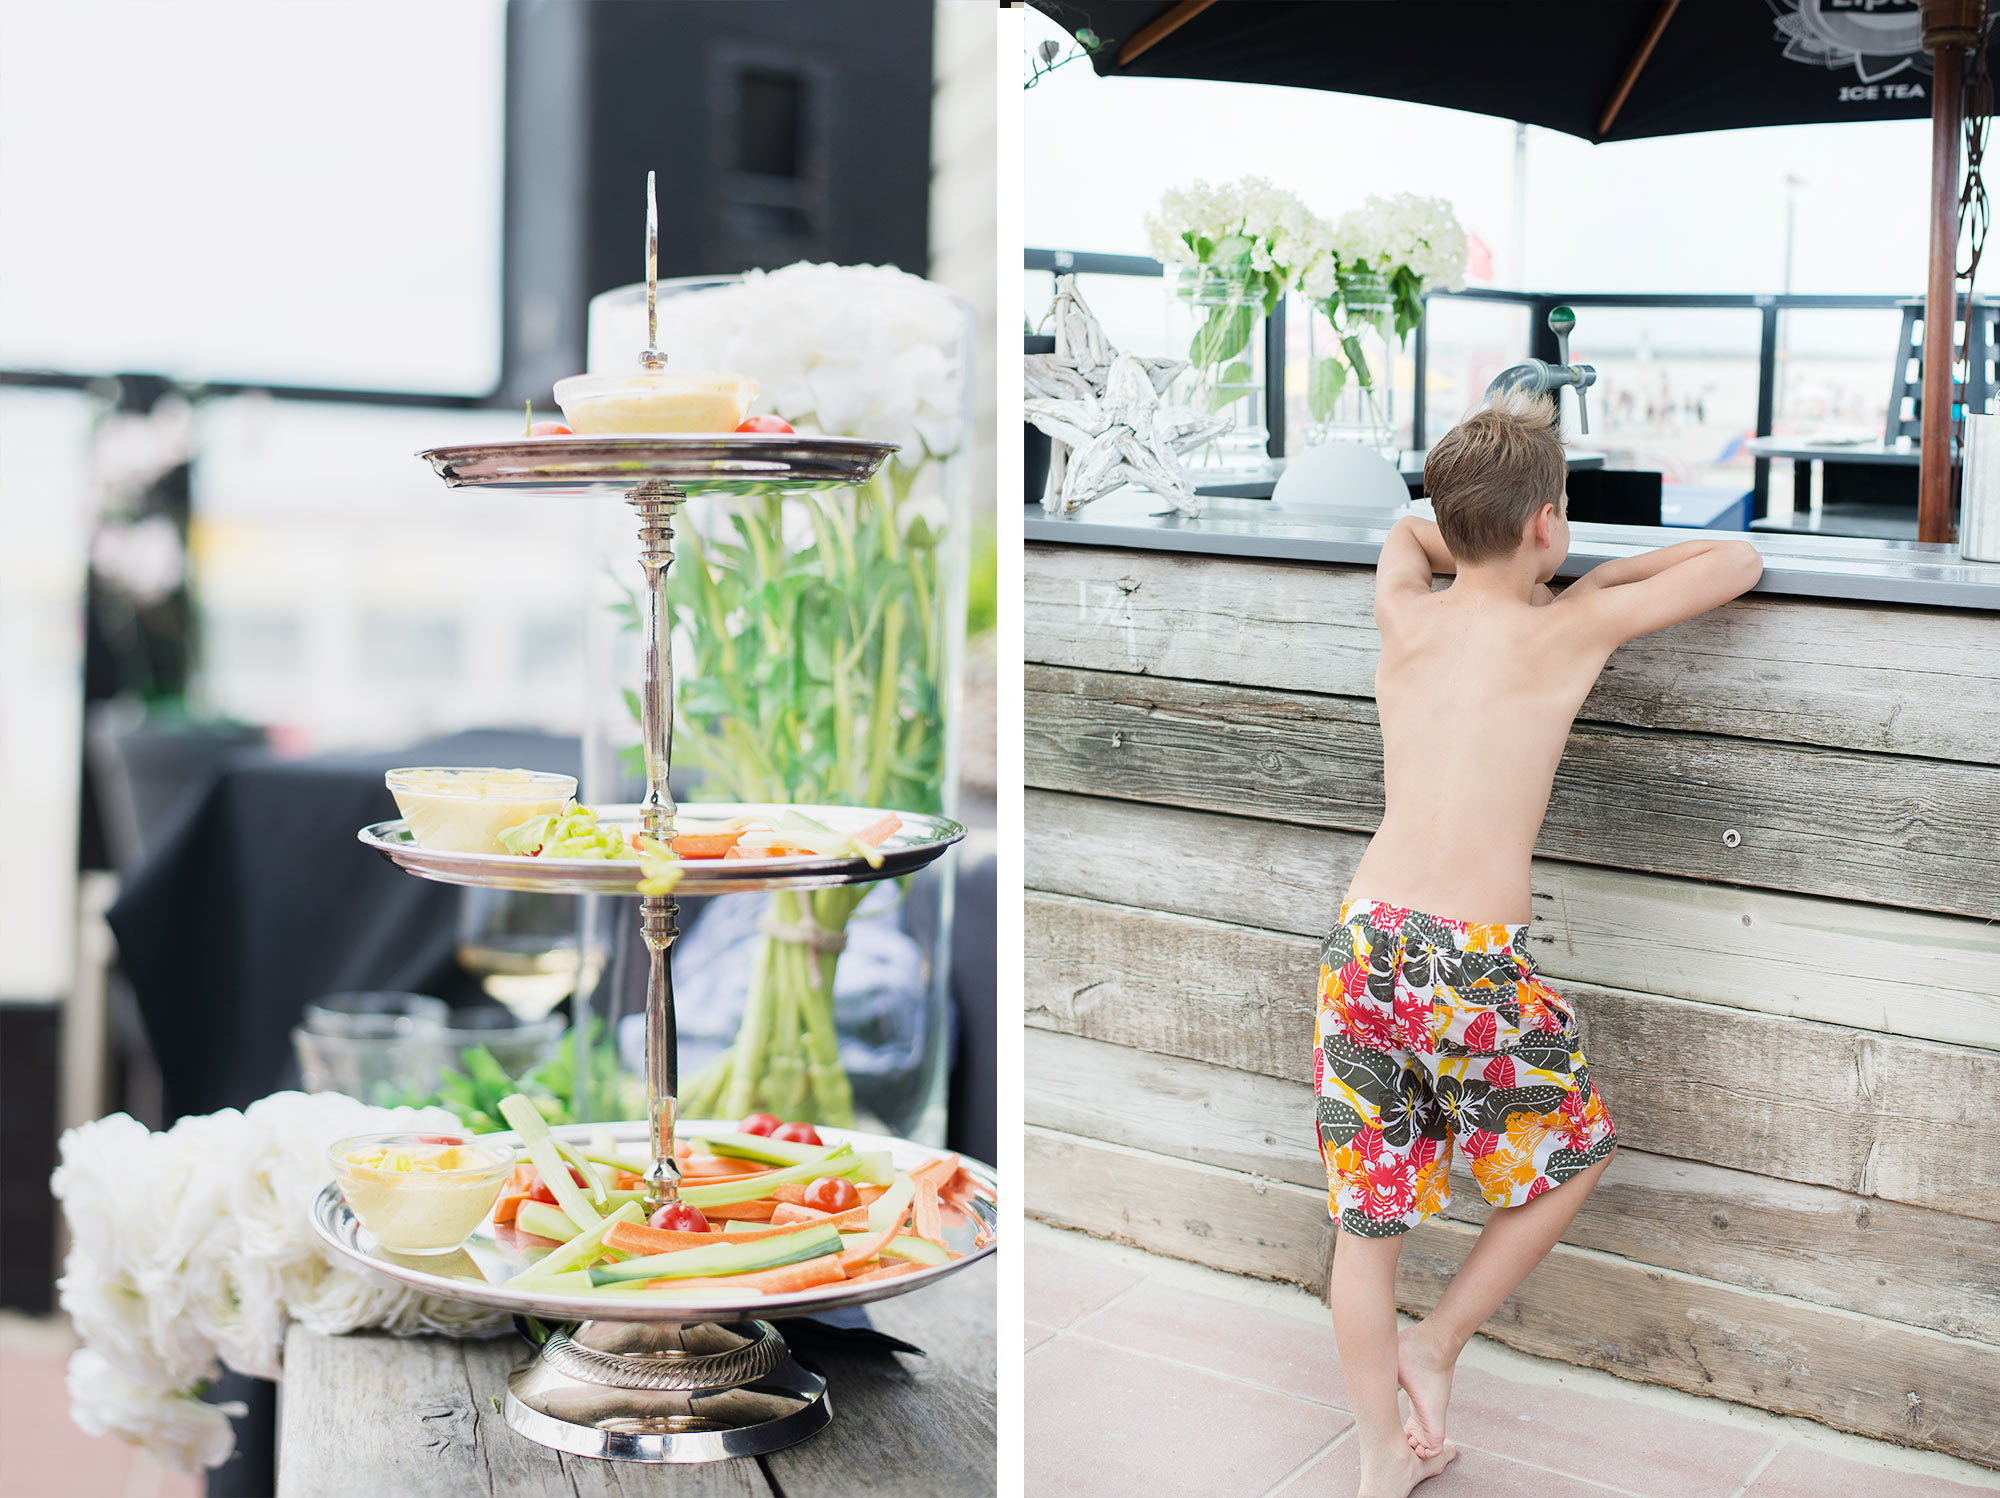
1541	343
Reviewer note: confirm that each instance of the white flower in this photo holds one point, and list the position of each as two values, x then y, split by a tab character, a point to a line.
1421	233
849	350
1276	223
176	1428
192	1248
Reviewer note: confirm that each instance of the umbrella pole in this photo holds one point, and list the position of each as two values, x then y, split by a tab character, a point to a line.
1949	27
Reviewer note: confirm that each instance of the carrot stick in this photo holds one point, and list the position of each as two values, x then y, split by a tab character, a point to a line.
824	1270
925	1213
869	1193
757	1211
886	1272
940	1170
793	1192
519	1183
853	1220
879	830
637	1238
720	1167
705	844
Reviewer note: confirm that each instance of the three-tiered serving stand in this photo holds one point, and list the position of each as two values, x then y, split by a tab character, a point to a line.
625	1377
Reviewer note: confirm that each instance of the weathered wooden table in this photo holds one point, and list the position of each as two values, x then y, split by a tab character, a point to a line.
374	1416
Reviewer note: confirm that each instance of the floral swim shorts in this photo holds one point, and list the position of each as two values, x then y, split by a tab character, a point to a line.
1434	1032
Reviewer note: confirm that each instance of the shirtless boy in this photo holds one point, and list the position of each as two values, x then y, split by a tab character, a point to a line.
1434	1029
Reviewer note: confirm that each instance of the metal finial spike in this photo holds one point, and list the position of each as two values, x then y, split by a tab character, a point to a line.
652	358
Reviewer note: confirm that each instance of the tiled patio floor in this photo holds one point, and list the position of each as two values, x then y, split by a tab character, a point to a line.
1149	1376
42	1455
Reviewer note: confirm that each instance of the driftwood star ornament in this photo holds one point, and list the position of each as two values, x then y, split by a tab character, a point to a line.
1106	414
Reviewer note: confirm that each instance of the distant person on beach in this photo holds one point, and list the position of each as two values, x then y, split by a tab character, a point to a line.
1434	1029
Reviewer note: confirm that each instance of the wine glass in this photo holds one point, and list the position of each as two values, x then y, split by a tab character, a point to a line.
527	949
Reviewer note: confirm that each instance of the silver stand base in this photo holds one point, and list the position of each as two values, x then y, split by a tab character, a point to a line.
656	1392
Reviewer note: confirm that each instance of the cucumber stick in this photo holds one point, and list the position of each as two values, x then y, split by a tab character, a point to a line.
724	1258
577	1250
545	1221
839	1161
889	1209
554	1170
904	1246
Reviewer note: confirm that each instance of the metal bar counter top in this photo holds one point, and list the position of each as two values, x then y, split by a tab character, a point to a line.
1806	566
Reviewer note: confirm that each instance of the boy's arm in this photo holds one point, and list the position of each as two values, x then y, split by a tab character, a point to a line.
1413	551
1633	596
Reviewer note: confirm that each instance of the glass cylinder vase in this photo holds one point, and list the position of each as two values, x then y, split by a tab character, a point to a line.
817	660
1342	405
1216	322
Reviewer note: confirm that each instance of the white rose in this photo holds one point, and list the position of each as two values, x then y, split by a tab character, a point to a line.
175	1428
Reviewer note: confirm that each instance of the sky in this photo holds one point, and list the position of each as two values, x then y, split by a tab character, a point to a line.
301	193
1692	213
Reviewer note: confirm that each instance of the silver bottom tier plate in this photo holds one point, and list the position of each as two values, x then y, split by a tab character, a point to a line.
920	840
652	1381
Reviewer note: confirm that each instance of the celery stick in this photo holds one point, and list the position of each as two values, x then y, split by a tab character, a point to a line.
541	1147
762	1149
569	1282
878	1168
840	1161
631	1288
725	1258
592	1175
606	1155
573	1253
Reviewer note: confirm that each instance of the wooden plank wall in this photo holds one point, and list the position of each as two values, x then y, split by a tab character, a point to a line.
1798	1035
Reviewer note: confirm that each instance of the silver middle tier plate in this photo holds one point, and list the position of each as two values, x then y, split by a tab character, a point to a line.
920	840
713	461
479	1272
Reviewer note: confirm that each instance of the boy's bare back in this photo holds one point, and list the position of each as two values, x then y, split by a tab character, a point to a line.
1477	686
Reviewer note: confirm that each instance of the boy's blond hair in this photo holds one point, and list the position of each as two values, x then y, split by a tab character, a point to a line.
1489	474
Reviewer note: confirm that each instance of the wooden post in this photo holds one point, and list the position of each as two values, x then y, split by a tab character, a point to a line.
1950	26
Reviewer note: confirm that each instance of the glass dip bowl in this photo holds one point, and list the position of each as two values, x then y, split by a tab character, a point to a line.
420	1193
655	401
465	810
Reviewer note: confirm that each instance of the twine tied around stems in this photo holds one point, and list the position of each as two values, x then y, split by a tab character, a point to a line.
807	931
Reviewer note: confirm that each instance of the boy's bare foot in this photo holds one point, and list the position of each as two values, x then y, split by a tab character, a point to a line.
1424	1371
1399	1471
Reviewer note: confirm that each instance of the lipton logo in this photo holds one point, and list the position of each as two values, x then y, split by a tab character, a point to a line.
1878	39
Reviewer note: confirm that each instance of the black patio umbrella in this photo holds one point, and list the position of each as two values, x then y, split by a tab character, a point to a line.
1605	70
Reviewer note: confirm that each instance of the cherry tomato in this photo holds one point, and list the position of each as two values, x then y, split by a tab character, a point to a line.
766	424
550	429
796	1133
832	1194
679	1217
541	1193
759	1123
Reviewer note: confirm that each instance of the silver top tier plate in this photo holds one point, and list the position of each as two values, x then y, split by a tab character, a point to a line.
725	461
917	842
479	1271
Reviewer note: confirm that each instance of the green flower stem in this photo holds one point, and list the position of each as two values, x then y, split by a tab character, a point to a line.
752	1037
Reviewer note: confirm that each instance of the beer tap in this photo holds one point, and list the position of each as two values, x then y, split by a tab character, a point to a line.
1549	379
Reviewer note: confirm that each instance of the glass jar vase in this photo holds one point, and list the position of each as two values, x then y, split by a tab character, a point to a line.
1216	321
817	660
1350	383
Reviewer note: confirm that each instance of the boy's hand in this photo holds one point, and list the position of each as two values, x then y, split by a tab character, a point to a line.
1634	596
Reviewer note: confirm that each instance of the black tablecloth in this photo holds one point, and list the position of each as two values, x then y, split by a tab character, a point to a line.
259	900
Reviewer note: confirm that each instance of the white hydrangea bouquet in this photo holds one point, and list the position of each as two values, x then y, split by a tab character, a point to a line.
190	1250
1368	272
1238	246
